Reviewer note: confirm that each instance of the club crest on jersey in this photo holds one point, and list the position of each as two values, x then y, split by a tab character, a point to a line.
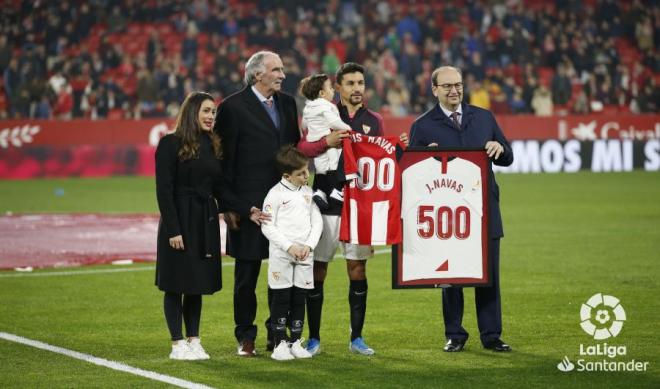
366	128
276	275
268	208
308	199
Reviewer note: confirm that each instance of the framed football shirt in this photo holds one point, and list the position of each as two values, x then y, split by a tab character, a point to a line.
444	218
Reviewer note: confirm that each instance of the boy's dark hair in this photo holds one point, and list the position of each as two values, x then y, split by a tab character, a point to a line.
289	158
348	67
311	86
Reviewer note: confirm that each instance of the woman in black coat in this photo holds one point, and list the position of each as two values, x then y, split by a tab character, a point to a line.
188	182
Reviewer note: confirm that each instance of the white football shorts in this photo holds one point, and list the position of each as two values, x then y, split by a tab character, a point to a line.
285	272
327	246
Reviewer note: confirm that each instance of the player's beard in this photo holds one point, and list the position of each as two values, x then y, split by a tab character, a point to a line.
356	100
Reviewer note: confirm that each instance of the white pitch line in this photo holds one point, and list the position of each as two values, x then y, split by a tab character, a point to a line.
101	271
104	362
76	273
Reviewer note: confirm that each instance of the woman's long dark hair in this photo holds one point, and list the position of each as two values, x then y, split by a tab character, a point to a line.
188	127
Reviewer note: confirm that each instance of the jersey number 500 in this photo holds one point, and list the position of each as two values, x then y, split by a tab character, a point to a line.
444	223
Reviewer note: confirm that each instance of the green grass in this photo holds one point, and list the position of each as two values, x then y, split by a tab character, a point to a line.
114	195
568	236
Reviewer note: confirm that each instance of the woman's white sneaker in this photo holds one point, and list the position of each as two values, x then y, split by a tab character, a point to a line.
181	351
197	350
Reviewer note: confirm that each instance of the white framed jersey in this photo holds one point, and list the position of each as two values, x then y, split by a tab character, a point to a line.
444	219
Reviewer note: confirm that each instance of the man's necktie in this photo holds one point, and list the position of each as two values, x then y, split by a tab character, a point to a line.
272	112
454	118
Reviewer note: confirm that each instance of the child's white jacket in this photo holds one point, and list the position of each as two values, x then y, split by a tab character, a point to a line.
295	218
320	117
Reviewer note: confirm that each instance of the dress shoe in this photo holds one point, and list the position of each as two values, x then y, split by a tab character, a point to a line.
454	345
246	349
497	345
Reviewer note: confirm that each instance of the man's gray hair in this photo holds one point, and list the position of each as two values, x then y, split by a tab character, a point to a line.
434	75
256	65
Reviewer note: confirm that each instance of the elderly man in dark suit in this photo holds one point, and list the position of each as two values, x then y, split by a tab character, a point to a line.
452	123
253	123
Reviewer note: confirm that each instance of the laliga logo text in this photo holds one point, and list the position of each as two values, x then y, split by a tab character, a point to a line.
602	317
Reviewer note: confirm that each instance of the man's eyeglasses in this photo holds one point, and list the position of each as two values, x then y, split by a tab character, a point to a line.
448	87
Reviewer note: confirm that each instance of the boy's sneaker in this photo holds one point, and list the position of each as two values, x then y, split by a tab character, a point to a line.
282	352
197	350
298	351
336	198
320	199
358	346
314	346
181	351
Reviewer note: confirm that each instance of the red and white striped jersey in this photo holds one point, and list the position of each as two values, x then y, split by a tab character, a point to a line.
372	202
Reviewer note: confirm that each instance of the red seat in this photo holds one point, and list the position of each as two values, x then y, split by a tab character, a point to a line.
610	110
116	114
545	75
134	29
448	31
164	28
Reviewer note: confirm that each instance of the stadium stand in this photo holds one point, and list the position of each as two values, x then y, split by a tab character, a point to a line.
137	59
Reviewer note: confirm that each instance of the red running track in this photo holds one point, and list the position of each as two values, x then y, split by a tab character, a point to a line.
51	240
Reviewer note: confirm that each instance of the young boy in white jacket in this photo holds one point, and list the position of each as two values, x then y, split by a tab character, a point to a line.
321	116
293	231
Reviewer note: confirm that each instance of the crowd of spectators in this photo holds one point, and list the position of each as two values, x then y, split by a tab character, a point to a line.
131	58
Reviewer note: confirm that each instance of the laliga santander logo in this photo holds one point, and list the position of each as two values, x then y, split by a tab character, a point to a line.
602	316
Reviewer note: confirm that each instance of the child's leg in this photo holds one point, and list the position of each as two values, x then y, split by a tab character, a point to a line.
303	283
298	299
279	311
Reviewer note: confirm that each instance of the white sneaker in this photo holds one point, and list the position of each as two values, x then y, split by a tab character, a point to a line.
181	351
282	352
197	350
298	351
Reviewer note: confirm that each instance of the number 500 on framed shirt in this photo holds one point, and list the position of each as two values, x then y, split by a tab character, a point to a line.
444	216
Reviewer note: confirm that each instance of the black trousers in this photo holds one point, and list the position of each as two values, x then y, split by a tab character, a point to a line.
487	299
246	275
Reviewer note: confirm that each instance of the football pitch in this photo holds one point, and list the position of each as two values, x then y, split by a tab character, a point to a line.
567	237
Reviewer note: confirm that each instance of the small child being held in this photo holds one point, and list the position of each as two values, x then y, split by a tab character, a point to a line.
321	116
293	231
